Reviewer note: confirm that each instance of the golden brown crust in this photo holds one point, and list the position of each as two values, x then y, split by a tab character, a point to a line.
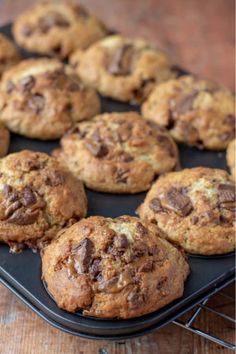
122	68
230	156
194	208
9	55
113	268
118	152
42	99
57	28
38	197
196	112
4	140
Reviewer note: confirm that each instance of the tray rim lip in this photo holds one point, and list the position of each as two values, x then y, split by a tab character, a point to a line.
230	279
19	289
210	286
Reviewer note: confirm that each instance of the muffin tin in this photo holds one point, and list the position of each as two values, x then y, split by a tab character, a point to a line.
21	272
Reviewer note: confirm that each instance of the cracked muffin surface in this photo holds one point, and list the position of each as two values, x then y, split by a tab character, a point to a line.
43	98
113	268
9	54
196	112
57	28
118	152
230	156
4	140
38	198
121	68
194	208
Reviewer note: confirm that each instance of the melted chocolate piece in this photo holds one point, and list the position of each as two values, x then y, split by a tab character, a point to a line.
122	175
82	255
135	299
36	103
50	20
95	269
53	179
28	197
120	63
26	30
147	266
23	217
27	83
186	103
226	196
10	86
174	200
155	205
142	230
97	149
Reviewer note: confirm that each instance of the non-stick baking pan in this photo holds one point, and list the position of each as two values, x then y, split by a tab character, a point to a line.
21	273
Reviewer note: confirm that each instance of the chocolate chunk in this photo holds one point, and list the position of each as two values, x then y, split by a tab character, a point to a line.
155	205
23	217
194	219
120	63
95	268
135	299
7	189
119	245
176	201
28	197
186	103
81	12
121	242
166	142
226	136
52	19
142	230
122	175
27	83
147	266
226	196
26	30
12	208
53	178
97	149
230	119
36	103
10	86
125	157
82	255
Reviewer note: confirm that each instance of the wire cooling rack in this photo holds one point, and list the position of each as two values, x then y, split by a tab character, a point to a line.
188	324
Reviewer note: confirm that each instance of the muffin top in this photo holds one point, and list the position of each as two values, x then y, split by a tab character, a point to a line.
196	112
43	98
38	197
114	268
122	68
57	28
118	152
194	208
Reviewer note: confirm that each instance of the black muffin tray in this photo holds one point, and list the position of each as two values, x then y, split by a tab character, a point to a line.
21	273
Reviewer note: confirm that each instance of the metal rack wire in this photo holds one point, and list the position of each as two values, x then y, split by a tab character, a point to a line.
188	324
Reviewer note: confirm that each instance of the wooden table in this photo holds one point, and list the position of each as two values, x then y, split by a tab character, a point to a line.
199	35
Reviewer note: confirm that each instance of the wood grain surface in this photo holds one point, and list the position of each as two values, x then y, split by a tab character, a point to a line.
199	35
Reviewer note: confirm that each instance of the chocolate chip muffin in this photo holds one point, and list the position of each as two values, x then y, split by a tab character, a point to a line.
121	68
196	112
9	55
194	208
38	198
113	268
230	155
57	28
118	152
4	140
42	99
